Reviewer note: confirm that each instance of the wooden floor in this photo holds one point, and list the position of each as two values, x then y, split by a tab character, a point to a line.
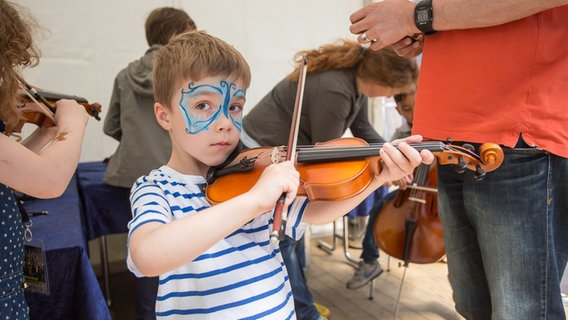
425	294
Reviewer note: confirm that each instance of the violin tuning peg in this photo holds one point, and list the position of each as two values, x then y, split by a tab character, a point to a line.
479	173
461	165
468	147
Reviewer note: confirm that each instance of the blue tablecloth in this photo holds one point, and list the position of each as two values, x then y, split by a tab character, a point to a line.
74	289
106	208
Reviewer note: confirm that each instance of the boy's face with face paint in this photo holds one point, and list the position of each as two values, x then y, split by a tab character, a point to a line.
205	122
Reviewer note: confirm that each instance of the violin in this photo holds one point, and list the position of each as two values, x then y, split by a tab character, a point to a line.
408	227
334	170
42	110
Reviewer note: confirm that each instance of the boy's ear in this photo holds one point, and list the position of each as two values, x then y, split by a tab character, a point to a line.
163	116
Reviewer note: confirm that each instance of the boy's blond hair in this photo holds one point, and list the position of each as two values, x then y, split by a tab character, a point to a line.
195	55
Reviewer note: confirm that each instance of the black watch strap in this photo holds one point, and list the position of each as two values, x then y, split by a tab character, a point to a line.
424	17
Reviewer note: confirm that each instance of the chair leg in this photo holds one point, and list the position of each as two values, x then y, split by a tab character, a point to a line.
346	241
326	246
105	269
345	237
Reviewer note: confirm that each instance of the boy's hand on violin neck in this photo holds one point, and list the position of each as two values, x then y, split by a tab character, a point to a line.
275	180
399	162
427	156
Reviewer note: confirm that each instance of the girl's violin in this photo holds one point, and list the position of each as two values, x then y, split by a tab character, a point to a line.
42	110
334	170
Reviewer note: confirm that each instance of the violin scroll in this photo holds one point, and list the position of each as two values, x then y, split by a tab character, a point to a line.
489	158
491	155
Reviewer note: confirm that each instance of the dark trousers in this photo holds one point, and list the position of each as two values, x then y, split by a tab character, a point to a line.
294	255
146	292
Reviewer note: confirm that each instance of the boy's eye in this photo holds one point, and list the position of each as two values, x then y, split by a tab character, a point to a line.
203	106
235	108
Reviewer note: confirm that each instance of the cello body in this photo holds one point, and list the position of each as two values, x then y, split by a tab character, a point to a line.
408	227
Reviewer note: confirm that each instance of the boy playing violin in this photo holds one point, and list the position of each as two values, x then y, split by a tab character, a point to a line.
216	261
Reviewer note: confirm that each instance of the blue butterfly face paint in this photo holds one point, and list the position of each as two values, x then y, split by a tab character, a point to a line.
201	105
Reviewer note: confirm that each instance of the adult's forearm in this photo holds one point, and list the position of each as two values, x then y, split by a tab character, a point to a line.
464	14
390	21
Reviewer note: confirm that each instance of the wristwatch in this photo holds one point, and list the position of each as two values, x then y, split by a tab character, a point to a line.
424	17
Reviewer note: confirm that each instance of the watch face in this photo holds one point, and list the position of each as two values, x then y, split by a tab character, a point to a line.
422	15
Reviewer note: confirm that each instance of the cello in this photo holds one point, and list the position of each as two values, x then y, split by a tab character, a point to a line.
408	227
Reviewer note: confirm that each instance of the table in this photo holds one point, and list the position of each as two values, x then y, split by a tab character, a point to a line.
74	289
106	210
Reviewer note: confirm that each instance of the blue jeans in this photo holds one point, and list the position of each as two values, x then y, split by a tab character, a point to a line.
294	255
370	252
506	236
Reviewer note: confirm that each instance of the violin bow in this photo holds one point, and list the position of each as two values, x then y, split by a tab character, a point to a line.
45	107
280	215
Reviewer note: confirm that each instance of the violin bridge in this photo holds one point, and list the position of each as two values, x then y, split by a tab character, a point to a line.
275	155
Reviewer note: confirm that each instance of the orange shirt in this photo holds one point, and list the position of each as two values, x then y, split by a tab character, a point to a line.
491	84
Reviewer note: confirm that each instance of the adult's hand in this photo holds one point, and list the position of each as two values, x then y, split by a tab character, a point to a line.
384	23
409	47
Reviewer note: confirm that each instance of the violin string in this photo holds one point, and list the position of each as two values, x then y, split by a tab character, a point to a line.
346	153
432	145
419	179
365	150
468	152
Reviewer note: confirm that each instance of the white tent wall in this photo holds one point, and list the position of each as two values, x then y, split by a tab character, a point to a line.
84	43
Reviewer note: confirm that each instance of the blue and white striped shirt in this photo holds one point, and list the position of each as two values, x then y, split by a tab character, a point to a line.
240	277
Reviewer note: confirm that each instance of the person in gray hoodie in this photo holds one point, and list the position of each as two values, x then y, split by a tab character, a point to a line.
143	144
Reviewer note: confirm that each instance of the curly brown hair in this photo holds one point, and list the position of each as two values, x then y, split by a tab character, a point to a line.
17	51
383	67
